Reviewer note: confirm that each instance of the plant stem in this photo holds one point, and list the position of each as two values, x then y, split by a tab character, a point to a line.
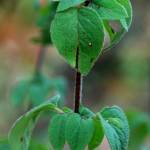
79	78
40	60
78	91
78	86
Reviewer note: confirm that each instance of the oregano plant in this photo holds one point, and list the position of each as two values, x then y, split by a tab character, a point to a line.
79	31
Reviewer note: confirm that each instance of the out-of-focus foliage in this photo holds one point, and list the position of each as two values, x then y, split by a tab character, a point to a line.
134	69
37	90
4	144
25	11
139	123
45	15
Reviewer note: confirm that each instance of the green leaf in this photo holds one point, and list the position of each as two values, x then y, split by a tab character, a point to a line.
127	5
57	131
116	127
85	112
78	131
98	134
65	4
126	23
20	134
110	9
85	29
67	110
109	30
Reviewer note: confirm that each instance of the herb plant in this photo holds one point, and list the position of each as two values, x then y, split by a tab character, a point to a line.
79	31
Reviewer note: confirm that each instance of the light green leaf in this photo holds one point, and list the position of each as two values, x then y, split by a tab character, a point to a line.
19	92
78	131
82	30
127	5
126	23
116	127
108	29
86	112
20	134
110	9
67	110
98	134
65	4
57	131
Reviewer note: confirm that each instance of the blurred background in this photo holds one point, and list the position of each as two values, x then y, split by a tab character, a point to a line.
120	77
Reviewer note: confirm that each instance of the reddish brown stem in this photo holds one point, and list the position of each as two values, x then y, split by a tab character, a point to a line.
78	92
78	85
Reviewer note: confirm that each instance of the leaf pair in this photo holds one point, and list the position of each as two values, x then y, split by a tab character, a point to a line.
78	32
80	132
78	29
71	128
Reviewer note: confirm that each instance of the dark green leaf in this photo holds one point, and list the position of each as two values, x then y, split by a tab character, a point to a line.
125	22
20	134
84	27
110	9
65	4
128	7
78	131
57	131
98	134
85	112
116	127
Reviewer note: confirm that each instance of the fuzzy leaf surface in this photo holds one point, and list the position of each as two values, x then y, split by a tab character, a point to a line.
57	131
80	29
98	134
78	131
20	134
115	127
